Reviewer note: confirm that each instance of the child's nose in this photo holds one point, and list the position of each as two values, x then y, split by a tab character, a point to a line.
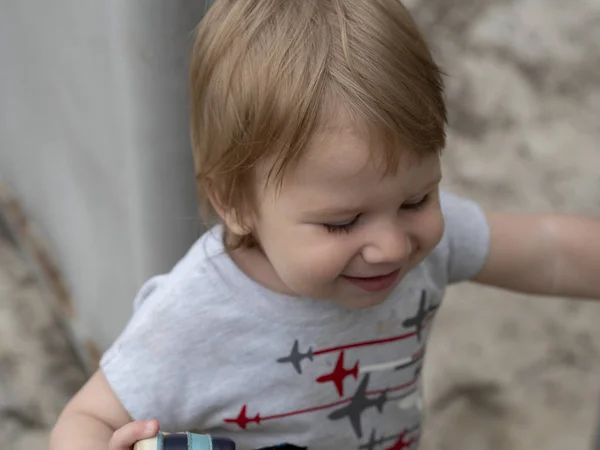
389	245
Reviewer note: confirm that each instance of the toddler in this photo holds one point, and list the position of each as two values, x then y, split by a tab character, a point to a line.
302	316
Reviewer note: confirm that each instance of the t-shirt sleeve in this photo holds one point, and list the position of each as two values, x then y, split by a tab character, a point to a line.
466	239
145	366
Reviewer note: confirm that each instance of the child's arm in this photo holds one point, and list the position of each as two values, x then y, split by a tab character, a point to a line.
544	254
95	420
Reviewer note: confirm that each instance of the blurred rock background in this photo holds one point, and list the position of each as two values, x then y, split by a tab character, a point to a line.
38	370
507	371
504	371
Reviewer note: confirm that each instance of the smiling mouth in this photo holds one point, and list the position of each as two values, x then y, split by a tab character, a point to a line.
376	283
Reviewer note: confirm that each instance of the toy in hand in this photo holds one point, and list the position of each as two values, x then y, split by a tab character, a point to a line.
185	441
192	441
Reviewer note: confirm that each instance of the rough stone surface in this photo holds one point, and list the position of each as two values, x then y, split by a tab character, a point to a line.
38	371
504	371
507	371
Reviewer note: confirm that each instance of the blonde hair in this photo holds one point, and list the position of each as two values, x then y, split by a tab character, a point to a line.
266	74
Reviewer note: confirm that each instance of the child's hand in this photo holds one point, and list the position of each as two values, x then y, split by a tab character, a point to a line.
126	436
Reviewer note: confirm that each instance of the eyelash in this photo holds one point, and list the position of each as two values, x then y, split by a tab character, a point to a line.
346	227
418	205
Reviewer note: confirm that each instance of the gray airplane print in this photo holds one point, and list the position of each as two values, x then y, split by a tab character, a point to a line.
359	403
296	357
419	318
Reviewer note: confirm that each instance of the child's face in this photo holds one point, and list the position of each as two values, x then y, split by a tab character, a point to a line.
338	229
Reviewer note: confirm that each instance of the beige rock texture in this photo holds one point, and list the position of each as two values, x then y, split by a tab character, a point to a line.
507	371
38	370
504	371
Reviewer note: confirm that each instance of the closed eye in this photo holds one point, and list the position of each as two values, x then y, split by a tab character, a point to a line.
416	204
343	227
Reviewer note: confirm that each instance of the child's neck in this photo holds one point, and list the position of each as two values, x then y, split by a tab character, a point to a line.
255	264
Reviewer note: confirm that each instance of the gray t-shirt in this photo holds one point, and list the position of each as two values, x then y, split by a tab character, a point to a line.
210	350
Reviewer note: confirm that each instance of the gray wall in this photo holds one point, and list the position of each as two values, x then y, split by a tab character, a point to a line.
94	140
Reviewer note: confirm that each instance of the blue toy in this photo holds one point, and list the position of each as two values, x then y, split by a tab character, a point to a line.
185	441
192	441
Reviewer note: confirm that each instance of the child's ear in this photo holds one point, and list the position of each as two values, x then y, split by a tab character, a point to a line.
235	224
232	218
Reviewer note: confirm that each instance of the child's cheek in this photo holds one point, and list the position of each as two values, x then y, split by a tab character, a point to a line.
312	267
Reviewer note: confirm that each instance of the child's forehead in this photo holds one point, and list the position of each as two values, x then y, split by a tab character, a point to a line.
340	168
344	152
340	154
343	167
337	152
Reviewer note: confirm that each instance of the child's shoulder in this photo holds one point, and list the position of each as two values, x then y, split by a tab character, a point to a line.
174	314
193	282
464	245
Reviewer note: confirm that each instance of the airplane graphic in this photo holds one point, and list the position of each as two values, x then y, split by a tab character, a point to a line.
414	359
296	357
339	374
359	403
418	319
356	405
373	441
242	420
399	444
418	370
